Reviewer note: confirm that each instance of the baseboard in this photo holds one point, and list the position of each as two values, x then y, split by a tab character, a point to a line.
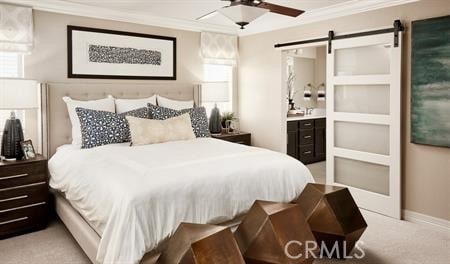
426	219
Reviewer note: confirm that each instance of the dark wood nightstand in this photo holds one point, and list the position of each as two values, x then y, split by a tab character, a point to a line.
23	196
240	138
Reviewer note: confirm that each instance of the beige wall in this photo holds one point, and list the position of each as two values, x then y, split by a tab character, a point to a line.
426	170
48	60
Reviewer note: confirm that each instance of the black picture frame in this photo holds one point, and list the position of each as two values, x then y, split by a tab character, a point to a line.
71	74
28	149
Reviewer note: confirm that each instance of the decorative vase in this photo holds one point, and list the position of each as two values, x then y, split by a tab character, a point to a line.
12	136
291	104
215	124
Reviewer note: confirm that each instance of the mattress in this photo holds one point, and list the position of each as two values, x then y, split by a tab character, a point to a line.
135	197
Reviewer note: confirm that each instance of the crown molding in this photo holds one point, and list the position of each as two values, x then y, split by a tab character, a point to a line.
338	10
71	8
335	11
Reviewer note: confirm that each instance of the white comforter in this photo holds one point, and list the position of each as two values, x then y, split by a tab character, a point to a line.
135	197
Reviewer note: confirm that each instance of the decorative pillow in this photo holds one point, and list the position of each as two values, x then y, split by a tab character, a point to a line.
174	104
100	128
151	131
125	105
199	120
106	104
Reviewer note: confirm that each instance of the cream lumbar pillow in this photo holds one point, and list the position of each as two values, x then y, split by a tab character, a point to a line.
145	131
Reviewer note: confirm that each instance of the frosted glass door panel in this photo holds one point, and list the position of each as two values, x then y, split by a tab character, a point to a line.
367	99
362	137
366	60
363	175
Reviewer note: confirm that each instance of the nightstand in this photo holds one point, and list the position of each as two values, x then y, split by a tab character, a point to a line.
23	196
240	138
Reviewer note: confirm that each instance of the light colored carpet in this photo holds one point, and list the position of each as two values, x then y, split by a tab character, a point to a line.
318	170
386	241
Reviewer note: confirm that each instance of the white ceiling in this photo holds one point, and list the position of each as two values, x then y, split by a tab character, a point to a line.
192	9
183	13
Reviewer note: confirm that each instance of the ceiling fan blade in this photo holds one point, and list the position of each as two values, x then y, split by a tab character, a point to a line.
210	14
282	10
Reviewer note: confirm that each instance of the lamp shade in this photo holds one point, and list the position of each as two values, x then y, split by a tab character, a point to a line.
242	14
18	94
215	92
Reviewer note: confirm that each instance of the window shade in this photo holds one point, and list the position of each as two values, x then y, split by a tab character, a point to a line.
10	65
16	28
219	48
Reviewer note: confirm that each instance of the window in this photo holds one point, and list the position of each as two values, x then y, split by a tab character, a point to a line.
220	73
11	66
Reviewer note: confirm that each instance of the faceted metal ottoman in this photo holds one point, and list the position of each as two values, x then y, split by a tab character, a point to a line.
201	244
333	217
266	230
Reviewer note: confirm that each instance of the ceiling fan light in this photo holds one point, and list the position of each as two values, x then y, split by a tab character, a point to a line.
243	13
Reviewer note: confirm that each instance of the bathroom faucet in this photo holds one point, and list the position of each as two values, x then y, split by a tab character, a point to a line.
308	111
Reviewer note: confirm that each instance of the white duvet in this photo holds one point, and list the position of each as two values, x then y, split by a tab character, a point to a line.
135	197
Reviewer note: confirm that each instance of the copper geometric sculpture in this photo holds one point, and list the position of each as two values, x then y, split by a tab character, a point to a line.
333	217
201	244
267	230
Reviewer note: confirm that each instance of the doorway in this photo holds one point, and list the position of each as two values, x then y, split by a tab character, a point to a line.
306	107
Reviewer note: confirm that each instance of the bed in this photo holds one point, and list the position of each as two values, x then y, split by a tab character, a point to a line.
122	202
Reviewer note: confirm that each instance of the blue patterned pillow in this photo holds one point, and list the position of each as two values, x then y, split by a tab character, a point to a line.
199	120
100	128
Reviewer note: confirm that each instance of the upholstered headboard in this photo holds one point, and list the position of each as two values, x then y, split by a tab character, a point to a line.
55	118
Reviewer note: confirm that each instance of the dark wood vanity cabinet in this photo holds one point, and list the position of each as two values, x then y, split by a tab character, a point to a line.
306	140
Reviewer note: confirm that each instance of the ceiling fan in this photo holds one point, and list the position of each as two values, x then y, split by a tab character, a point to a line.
242	12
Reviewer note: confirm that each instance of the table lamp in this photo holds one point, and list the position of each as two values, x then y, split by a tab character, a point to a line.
215	92
15	94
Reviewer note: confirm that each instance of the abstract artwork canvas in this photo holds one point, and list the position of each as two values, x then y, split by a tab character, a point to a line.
430	81
108	54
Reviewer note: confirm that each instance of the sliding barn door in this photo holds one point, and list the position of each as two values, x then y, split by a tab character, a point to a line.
363	120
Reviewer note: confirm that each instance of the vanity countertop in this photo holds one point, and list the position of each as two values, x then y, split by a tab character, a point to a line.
306	117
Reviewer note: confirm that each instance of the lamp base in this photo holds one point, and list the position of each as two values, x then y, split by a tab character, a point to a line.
215	124
12	136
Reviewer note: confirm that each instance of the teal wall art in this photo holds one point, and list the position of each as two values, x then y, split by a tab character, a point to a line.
430	82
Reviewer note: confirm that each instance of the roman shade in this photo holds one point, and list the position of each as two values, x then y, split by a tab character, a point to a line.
16	28
219	48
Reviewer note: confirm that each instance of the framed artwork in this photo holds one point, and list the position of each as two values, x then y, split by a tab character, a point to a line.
107	54
28	149
430	82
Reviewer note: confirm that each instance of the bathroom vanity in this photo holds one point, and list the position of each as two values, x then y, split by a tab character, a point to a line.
306	138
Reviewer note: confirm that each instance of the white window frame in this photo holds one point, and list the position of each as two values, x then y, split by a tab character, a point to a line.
232	84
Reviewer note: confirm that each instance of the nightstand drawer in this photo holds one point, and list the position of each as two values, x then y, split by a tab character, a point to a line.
306	136
23	219
241	138
20	196
12	176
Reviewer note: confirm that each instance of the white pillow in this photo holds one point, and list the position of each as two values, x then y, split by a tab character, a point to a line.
174	104
145	131
106	104
125	105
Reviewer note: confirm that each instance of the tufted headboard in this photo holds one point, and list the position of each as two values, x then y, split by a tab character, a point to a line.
55	118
